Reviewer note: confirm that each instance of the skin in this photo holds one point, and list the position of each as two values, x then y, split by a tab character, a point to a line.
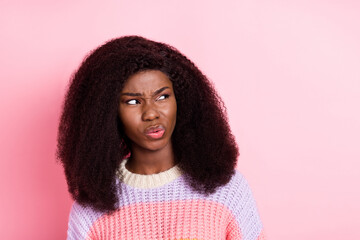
148	99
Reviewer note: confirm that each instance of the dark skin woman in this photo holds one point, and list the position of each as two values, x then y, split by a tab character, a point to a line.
147	111
147	149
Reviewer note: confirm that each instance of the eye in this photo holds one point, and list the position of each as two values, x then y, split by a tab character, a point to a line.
132	102
164	96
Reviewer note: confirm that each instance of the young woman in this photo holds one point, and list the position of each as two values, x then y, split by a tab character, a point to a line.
147	150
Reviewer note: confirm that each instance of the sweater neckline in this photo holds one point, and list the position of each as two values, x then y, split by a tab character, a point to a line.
147	181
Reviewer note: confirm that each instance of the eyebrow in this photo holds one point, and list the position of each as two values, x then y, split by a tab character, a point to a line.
139	94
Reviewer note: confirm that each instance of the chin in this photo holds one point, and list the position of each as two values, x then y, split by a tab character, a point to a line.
155	146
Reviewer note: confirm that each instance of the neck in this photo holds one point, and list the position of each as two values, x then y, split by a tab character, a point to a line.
147	162
147	181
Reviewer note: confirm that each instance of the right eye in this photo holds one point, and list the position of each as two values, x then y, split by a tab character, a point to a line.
132	102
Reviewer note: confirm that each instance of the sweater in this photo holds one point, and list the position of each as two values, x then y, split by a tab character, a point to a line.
164	206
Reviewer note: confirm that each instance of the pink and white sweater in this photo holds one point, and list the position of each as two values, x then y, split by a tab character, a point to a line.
163	206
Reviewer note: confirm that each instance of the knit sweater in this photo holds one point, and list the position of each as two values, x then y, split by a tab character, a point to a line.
163	206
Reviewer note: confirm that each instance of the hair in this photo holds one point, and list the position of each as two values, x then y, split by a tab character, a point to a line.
91	140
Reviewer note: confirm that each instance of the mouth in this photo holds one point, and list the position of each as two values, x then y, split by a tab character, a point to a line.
155	132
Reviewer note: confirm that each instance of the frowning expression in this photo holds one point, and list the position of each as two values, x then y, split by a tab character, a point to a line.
147	109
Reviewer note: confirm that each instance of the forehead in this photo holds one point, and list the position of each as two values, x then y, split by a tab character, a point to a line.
147	81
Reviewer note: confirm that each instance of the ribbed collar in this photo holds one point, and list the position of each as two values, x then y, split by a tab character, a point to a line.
147	181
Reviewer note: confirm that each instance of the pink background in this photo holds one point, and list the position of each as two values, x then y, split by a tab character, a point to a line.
288	71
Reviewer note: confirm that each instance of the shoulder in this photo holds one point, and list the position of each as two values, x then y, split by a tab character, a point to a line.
240	201
235	194
240	195
236	189
81	218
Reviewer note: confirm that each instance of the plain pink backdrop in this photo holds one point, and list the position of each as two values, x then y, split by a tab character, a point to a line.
288	71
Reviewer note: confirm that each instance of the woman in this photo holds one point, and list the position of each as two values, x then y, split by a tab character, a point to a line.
147	149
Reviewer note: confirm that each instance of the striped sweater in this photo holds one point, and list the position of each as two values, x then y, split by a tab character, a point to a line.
163	206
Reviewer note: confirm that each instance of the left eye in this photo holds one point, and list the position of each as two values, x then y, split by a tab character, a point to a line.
162	97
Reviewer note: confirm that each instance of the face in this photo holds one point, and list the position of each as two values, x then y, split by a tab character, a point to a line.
147	110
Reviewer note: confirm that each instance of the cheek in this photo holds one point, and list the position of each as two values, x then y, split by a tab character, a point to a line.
127	119
172	112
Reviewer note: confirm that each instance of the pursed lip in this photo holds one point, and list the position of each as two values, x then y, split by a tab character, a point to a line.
153	128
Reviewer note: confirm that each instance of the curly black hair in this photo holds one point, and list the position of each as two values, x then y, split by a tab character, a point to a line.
91	140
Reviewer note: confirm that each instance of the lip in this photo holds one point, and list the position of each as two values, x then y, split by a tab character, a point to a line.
155	131
154	128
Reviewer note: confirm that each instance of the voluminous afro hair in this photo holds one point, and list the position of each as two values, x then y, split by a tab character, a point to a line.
92	143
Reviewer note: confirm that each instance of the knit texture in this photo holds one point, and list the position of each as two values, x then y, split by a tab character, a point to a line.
163	206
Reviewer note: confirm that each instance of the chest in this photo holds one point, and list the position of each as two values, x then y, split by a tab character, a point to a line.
175	220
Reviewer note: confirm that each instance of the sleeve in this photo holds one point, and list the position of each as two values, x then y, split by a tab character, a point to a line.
80	221
245	223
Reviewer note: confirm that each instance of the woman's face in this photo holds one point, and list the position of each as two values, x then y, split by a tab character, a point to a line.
147	109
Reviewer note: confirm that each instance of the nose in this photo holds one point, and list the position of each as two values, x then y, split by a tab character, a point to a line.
150	112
